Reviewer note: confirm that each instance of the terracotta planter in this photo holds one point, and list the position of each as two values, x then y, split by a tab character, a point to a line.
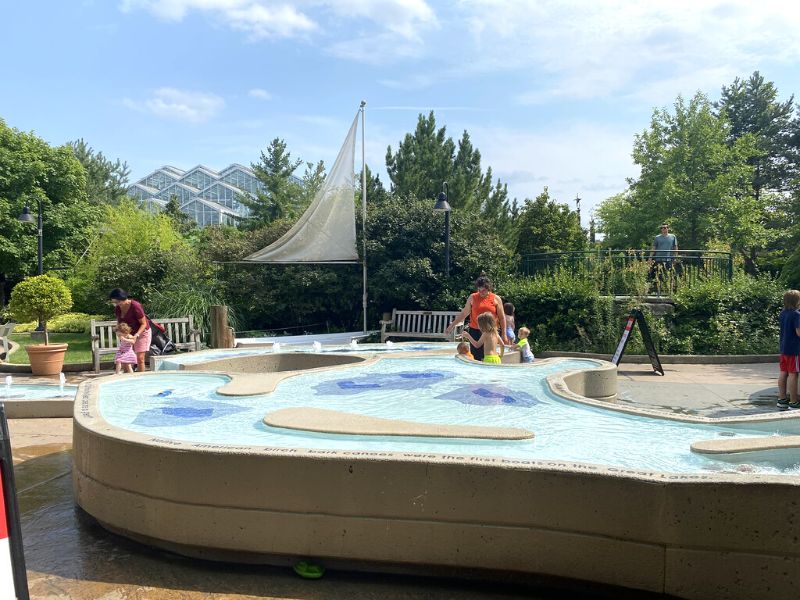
46	360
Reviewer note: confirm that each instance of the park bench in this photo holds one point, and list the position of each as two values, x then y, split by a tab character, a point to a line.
5	332
180	330
428	324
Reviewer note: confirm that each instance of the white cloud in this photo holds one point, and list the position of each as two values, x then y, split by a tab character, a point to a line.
371	31
179	105
577	49
576	159
258	18
260	94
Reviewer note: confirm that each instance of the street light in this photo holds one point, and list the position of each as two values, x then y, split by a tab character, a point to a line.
26	217
443	206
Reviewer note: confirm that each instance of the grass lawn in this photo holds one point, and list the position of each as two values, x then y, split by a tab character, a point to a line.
79	351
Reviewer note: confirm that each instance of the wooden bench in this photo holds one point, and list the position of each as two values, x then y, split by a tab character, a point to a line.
180	330
5	332
428	324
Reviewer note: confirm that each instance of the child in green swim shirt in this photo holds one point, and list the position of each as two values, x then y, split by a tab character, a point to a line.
524	346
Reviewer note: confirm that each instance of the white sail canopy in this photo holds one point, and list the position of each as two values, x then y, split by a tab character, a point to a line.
326	231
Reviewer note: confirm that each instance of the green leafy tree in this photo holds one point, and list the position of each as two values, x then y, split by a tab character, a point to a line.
32	170
548	226
692	177
282	193
137	251
40	298
106	180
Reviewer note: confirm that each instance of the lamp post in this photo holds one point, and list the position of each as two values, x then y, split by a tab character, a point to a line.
26	217
443	206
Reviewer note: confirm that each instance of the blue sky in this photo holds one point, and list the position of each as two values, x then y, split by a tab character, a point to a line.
552	93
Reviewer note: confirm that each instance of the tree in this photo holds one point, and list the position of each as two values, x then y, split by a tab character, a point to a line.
691	177
422	162
548	226
427	158
752	107
137	251
41	298
313	178
106	181
32	170
282	194
183	222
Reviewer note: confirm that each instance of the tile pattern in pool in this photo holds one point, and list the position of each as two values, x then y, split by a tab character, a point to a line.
435	389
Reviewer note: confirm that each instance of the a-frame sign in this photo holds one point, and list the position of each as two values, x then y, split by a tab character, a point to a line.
637	316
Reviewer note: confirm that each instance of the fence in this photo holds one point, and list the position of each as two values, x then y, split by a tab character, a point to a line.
616	270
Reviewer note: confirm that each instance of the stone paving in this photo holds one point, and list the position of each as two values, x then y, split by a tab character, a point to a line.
702	390
70	556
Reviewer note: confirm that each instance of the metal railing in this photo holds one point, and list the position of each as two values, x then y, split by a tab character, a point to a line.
619	271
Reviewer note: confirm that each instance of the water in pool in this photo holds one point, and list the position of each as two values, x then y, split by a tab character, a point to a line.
173	361
435	389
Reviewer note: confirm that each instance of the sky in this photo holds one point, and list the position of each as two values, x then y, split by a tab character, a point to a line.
552	93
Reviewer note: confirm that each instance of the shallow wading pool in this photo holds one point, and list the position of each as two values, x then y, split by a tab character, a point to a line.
436	389
183	460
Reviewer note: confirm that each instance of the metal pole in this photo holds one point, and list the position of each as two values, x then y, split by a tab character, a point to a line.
39	233
447	244
364	215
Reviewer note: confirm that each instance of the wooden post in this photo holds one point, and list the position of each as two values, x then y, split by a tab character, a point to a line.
221	334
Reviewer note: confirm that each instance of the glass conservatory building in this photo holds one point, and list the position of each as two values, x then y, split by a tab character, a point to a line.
210	197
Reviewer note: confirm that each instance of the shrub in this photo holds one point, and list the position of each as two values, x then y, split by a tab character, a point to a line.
42	298
563	312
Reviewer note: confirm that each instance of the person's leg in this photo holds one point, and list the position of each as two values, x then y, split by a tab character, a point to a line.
117	368
477	353
129	368
782	385
141	348
791	383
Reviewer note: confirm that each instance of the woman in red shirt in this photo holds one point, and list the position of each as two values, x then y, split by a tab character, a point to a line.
127	310
483	300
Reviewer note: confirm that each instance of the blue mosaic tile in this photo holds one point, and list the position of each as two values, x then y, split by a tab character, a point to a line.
185	411
489	395
405	380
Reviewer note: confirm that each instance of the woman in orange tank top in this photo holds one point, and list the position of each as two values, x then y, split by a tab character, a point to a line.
483	300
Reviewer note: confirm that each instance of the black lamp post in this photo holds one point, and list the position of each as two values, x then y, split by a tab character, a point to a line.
443	206
26	217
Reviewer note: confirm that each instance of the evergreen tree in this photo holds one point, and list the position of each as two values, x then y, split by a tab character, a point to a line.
282	193
182	222
752	107
106	181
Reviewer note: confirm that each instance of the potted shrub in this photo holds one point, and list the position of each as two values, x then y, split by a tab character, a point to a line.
42	298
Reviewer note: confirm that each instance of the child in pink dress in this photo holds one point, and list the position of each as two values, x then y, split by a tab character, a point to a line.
125	357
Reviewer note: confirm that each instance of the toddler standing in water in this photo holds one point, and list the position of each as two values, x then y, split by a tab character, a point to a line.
125	357
490	341
523	345
508	309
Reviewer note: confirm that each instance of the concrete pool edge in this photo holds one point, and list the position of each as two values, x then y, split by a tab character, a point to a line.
646	530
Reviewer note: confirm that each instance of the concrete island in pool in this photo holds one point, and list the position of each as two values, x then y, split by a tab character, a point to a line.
184	460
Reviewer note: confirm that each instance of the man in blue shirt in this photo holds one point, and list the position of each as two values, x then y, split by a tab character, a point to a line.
663	253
